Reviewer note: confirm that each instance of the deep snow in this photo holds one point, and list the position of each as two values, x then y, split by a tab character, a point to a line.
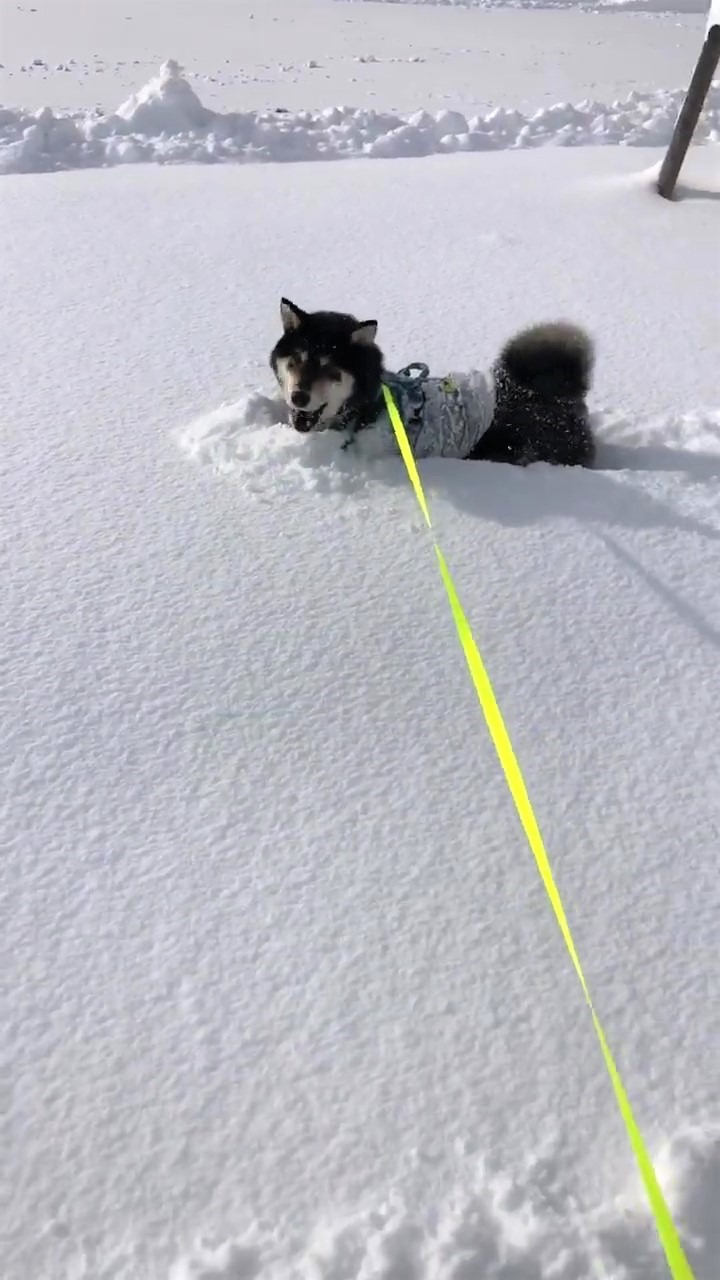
283	996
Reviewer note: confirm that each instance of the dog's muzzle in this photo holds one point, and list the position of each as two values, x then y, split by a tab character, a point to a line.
301	420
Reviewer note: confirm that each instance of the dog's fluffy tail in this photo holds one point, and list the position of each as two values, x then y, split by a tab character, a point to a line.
553	360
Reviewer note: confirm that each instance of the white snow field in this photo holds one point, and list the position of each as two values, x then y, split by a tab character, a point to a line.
250	55
282	995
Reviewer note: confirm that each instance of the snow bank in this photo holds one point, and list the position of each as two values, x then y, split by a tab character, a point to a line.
166	122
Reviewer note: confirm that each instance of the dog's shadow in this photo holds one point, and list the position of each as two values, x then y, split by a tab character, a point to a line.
604	494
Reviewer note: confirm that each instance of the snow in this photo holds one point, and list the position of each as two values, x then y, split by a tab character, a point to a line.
282	994
246	57
599	6
166	122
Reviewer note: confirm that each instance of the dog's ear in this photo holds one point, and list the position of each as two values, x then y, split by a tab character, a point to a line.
365	333
291	316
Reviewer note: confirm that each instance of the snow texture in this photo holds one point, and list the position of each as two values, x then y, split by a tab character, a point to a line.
166	122
281	993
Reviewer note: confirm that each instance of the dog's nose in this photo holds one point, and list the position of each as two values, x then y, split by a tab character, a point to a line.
300	399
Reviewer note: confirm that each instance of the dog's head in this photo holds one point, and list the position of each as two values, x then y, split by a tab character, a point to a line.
325	362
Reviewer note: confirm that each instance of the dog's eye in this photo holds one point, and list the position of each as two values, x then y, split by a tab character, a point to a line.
332	373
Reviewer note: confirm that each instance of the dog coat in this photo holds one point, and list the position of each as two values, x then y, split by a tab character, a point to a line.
443	417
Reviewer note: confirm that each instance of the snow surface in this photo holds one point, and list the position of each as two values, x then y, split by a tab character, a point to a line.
245	56
281	993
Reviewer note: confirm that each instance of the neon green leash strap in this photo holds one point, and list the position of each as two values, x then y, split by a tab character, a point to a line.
676	1260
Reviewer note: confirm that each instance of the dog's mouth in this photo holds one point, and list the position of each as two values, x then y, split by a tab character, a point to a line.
304	421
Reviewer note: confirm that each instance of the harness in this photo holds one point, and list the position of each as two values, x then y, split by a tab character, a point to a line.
443	417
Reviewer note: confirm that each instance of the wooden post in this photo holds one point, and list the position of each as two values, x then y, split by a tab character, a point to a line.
690	112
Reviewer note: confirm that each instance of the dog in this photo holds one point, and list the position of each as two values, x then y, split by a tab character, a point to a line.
531	407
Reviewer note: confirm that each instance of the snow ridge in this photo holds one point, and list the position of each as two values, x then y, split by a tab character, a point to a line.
165	122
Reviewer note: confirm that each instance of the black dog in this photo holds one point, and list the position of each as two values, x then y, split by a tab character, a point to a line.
530	408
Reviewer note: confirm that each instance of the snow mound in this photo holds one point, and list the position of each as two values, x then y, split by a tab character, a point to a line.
165	122
165	105
496	1227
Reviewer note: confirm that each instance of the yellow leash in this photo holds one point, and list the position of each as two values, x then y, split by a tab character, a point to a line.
676	1260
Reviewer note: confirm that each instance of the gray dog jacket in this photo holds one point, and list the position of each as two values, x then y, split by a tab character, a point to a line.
443	417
